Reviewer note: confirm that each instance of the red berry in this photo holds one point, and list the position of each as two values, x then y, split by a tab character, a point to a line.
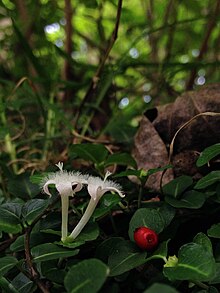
145	238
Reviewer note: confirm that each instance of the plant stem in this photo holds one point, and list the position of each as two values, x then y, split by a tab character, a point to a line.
140	196
85	218
65	208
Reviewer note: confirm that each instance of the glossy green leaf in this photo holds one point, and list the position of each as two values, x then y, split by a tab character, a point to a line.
48	251
150	218
95	153
33	208
195	262
86	276
191	199
125	257
208	180
214	231
159	287
121	159
208	154
177	186
10	218
6	263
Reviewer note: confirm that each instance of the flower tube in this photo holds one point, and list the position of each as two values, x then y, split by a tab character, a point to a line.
96	188
67	184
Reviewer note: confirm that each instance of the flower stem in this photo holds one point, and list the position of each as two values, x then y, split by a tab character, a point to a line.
85	218
65	207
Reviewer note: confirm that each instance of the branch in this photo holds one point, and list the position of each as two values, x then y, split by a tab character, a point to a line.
204	46
96	78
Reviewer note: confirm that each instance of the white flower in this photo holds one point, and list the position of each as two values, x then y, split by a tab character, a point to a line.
67	184
96	188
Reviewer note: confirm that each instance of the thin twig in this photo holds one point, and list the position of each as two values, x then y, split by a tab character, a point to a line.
204	46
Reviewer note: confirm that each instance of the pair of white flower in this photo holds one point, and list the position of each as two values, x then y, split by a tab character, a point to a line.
67	184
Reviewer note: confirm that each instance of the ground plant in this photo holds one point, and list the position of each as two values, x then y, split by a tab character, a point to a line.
78	213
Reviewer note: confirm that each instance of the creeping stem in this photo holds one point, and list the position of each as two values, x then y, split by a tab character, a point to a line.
85	218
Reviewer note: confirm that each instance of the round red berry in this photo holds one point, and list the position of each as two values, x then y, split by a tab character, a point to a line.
145	238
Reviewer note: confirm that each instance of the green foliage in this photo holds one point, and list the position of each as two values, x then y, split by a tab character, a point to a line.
124	257
208	154
89	275
73	88
195	262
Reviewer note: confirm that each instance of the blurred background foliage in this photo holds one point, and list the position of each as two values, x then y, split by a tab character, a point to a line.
74	71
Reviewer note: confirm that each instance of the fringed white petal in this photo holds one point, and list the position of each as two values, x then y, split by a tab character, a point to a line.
45	187
116	190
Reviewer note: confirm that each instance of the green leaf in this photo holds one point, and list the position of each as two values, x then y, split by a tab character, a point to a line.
129	172
86	276
37	178
208	154
214	231
153	171
49	271
167	212
20	186
107	247
7	286
22	283
202	239
177	186
163	288
208	180
89	233
33	208
96	153
191	199
216	277
195	262
48	251
150	218
6	263
10	218
125	257
35	239
160	252
107	202
121	159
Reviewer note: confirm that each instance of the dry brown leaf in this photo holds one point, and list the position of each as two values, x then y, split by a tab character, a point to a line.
153	138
